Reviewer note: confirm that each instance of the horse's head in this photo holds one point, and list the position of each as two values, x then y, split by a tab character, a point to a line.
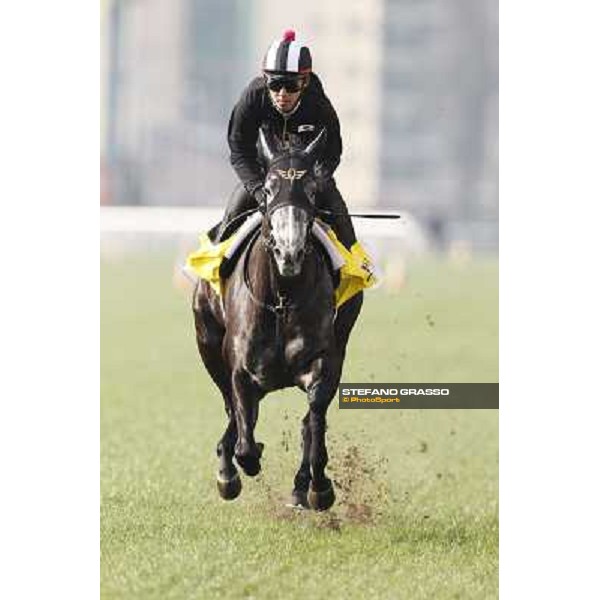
290	202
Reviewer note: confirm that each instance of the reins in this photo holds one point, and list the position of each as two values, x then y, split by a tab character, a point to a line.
242	215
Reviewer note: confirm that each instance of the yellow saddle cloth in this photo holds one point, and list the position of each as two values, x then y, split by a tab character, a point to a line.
356	274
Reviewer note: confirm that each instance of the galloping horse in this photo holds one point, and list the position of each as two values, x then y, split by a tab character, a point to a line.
275	326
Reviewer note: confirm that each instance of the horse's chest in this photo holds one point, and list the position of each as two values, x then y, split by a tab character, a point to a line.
279	357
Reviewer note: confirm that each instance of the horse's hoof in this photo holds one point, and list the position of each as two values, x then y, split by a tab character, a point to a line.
321	500
229	489
250	464
299	499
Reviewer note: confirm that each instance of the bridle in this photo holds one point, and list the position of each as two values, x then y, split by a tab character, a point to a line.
284	305
267	238
264	235
291	174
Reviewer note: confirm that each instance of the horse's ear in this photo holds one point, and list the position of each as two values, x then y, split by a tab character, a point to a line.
313	150
267	146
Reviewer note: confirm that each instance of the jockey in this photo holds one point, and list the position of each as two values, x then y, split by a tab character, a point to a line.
288	101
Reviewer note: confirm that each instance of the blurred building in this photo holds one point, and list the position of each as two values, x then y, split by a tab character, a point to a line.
415	84
174	72
439	115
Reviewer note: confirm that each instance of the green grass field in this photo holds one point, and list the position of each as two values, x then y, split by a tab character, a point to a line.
417	510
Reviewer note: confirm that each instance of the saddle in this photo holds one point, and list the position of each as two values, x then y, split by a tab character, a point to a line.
351	270
248	231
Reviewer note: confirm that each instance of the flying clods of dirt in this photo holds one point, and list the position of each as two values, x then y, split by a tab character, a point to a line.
361	487
361	483
328	520
286	439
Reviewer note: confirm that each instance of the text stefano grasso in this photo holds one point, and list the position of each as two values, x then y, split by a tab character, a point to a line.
396	391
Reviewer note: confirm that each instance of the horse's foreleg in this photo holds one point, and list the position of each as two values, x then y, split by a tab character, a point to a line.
302	478
209	337
320	393
246	396
228	479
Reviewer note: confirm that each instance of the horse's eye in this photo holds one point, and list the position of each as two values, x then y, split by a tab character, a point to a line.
310	187
272	184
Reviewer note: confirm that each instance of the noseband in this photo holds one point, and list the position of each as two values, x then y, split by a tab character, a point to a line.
267	238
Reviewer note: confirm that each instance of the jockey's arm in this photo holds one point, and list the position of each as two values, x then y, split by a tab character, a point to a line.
333	148
242	136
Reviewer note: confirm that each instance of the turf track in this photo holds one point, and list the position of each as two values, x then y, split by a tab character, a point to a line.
417	515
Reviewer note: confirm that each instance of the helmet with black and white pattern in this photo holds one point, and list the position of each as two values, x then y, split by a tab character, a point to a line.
287	56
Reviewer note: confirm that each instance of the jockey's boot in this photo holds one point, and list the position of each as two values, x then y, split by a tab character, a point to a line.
239	202
339	220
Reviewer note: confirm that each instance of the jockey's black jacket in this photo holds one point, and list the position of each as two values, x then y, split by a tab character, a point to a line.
255	110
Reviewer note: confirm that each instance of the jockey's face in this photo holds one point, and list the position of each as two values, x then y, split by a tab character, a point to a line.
285	97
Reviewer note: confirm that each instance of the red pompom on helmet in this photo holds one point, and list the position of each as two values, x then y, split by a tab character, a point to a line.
286	55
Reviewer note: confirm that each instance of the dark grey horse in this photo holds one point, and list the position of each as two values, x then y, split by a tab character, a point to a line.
275	327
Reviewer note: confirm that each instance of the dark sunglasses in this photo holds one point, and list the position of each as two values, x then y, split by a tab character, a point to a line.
291	85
